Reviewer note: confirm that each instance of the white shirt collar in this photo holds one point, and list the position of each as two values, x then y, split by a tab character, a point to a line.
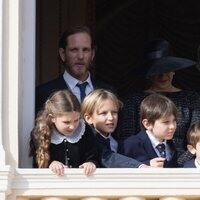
153	140
72	82
113	142
105	137
57	138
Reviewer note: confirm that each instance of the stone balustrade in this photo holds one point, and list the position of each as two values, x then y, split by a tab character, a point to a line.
105	184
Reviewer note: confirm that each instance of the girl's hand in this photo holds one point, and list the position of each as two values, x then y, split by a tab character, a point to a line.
157	162
57	168
88	167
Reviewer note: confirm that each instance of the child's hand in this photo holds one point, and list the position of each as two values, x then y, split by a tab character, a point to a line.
157	162
88	167
57	168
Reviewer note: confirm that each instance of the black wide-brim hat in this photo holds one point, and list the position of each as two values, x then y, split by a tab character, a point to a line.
159	58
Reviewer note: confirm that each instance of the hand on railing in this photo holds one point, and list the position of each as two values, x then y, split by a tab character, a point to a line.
57	168
88	167
157	162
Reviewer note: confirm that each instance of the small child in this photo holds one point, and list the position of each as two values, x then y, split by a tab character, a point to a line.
100	110
59	139
193	138
153	145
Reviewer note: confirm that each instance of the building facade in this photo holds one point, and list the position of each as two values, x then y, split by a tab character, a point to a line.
17	179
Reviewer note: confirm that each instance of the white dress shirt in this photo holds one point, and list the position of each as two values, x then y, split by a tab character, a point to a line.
155	142
72	84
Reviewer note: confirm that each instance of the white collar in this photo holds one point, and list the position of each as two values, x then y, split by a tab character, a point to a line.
105	137
196	163
57	138
153	140
72	82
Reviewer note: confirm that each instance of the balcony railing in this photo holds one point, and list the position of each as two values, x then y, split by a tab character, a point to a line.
105	184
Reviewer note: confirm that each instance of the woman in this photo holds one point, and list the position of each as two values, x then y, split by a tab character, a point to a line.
161	70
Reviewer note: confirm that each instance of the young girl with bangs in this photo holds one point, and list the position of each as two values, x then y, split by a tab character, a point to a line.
60	139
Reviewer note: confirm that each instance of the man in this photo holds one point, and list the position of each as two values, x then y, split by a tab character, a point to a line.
76	51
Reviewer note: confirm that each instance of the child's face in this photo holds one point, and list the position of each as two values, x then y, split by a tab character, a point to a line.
104	118
198	151
67	123
163	128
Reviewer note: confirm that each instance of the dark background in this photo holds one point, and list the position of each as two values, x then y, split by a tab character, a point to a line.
123	27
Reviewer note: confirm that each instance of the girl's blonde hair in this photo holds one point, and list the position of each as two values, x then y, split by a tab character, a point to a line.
56	105
193	134
95	99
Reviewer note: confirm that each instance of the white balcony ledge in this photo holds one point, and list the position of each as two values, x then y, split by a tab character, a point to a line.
108	183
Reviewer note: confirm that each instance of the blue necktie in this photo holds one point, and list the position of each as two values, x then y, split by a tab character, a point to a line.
82	87
161	149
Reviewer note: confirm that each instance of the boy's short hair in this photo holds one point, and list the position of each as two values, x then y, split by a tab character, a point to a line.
193	134
95	98
156	106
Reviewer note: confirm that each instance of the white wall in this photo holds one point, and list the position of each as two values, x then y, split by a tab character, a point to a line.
17	80
27	79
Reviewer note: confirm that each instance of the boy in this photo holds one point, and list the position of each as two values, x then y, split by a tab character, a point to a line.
193	138
158	120
100	110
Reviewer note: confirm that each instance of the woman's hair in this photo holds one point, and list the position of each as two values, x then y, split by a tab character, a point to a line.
56	105
156	106
193	134
96	98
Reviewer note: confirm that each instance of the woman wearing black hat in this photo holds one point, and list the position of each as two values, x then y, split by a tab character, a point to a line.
161	69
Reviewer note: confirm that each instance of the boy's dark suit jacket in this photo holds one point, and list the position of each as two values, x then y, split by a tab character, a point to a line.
110	159
45	90
140	148
189	164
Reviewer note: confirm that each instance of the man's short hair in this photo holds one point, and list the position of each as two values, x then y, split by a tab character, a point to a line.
74	30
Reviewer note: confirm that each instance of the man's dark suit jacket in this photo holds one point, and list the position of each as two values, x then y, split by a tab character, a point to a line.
140	148
45	90
189	164
110	159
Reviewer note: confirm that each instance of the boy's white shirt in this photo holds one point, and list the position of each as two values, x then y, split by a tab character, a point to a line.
155	142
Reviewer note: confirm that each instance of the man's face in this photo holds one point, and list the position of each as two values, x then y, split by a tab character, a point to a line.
78	55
